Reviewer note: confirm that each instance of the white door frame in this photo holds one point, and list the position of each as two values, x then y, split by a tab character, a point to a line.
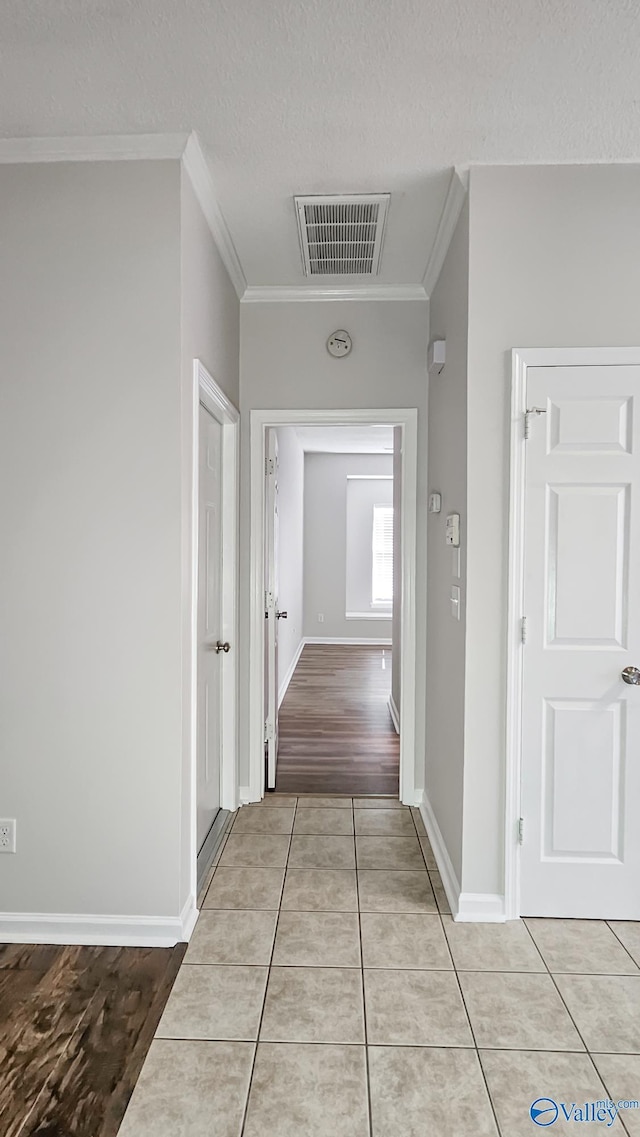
407	418
205	390
521	360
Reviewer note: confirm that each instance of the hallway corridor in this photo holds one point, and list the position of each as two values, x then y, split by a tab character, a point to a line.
326	992
335	729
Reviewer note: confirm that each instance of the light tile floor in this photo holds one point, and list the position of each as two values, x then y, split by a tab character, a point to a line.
327	992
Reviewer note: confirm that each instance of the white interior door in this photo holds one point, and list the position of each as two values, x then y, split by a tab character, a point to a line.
273	614
581	720
211	661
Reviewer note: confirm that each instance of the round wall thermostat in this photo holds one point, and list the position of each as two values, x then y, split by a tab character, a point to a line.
339	344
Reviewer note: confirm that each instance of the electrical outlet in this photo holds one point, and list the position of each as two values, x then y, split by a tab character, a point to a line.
7	835
320	617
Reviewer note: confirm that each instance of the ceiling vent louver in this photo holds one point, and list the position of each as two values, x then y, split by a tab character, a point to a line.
342	234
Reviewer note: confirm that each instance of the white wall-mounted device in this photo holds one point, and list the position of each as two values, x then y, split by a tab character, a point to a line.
452	532
435	503
436	356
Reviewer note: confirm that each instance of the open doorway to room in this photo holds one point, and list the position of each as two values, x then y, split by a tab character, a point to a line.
334	533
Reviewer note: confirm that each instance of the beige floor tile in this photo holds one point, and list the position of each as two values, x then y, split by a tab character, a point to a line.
628	931
378	803
428	854
308	1091
221	1003
580	946
388	853
318	802
420	1091
621	1076
313	1004
517	1012
322	853
280	801
518	1078
257	819
418	822
389	891
606	1009
185	1085
404	940
317	939
386	822
492	947
441	897
324	822
267	851
232	937
415	1008
245	888
320	890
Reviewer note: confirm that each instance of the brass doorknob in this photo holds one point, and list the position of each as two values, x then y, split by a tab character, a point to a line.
220	646
631	675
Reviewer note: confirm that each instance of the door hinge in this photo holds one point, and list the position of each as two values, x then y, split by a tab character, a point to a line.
523	630
268	732
269	466
520	830
527	414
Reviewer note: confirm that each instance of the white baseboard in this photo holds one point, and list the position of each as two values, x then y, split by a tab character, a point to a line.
481	908
374	641
395	717
289	675
466	907
445	867
244	793
107	931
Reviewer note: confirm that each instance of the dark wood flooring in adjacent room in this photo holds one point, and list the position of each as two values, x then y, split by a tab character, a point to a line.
335	730
75	1027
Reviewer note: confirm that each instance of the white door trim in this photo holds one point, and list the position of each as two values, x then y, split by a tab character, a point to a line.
205	390
407	418
522	359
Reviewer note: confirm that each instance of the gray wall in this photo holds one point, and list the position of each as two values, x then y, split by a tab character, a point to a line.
554	262
284	363
448	476
325	544
291	541
90	482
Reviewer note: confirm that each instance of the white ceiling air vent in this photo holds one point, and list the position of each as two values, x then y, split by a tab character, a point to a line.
342	234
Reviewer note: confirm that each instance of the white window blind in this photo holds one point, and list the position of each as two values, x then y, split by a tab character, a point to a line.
382	547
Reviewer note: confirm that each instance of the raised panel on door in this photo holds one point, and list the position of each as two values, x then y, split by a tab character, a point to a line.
581	722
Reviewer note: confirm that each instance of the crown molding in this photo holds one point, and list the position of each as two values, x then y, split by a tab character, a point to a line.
97	148
451	211
276	293
197	170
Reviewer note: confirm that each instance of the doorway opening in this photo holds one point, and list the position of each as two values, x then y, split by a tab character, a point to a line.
332	676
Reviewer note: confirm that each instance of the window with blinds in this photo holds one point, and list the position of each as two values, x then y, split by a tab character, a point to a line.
382	548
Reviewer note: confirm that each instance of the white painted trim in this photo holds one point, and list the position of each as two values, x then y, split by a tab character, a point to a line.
357	641
395	717
447	872
109	931
384	615
480	908
407	418
204	389
288	294
451	211
94	148
188	918
290	670
245	795
521	360
197	169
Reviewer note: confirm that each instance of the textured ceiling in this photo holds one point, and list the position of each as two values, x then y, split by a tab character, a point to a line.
317	96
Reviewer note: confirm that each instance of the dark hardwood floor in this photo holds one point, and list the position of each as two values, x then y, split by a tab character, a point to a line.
335	730
75	1027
